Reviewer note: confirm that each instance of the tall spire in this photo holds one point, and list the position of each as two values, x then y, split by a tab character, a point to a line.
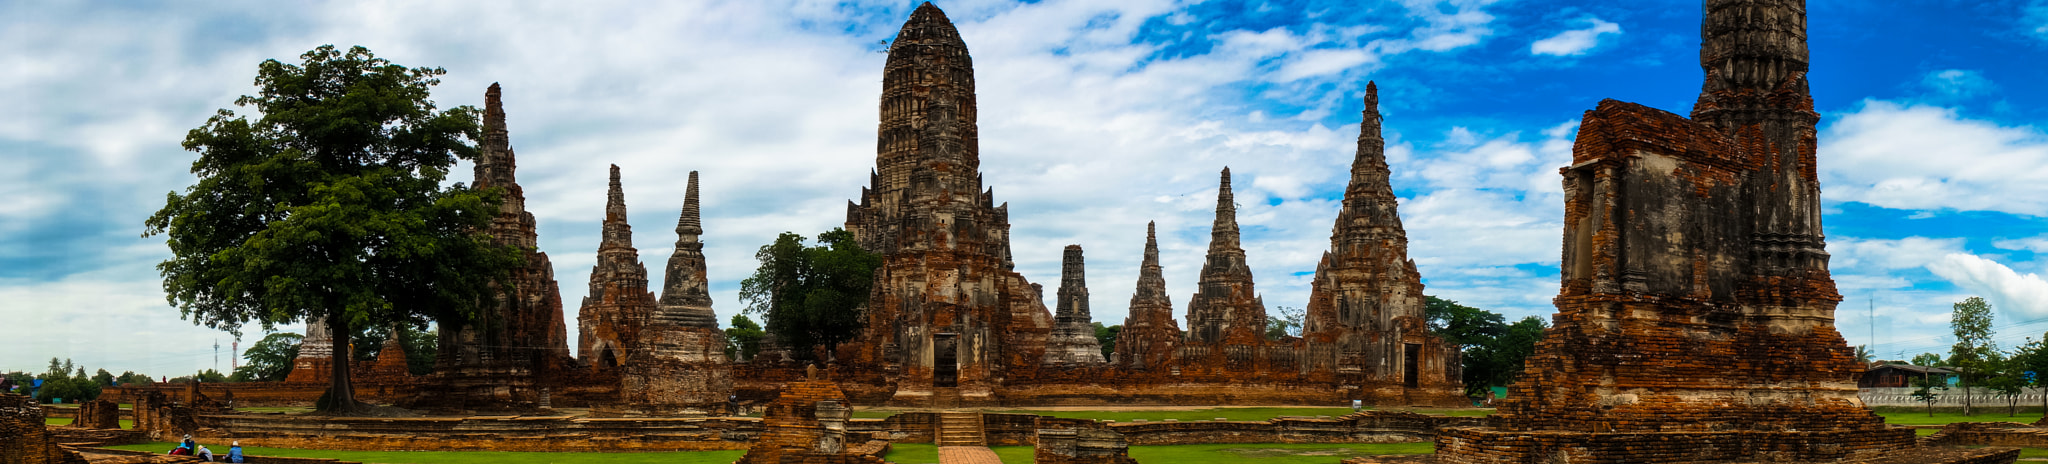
1755	57
685	289
1369	201
1224	235
495	165
1151	277
616	230
688	227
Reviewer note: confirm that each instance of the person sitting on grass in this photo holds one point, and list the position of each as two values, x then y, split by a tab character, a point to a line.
181	450
235	452
205	454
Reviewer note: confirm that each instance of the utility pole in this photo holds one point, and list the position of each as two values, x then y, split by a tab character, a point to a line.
216	355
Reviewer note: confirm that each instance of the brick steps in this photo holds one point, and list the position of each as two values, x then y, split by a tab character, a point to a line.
960	429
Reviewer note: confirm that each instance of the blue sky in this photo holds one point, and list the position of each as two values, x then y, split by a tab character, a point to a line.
1095	118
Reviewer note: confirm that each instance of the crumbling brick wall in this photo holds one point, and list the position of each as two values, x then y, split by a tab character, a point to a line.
98	414
24	439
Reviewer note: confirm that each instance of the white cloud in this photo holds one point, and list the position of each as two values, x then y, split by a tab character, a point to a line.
1575	41
1083	132
2036	19
2034	244
2023	294
1925	157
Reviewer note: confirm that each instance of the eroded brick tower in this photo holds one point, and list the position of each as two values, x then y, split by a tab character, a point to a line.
948	312
1364	323
678	363
1226	317
494	361
1151	337
1696	306
1072	341
618	305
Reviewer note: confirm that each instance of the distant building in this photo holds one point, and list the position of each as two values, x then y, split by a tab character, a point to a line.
1899	375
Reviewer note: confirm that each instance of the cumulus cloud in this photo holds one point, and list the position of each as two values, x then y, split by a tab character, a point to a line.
1084	131
2024	294
1575	41
2036	19
1921	157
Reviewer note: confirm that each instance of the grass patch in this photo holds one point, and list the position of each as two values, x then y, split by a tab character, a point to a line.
2033	453
1189	415
911	453
1926	432
271	409
1945	417
469	457
51	421
1272	453
1016	454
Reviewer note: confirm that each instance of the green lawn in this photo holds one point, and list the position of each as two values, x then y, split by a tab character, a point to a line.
1271	453
1187	415
477	457
53	421
1945	418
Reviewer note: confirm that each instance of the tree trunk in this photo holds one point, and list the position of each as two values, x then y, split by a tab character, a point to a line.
341	395
1966	397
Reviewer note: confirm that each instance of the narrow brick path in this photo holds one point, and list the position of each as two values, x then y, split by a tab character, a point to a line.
967	455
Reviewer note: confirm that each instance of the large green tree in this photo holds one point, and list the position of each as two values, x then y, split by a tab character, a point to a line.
1971	323
270	359
811	296
331	205
743	339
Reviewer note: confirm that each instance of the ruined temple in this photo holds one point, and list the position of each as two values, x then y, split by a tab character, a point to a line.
1364	321
1072	341
316	354
949	315
678	364
618	304
1150	336
1226	317
498	359
1696	305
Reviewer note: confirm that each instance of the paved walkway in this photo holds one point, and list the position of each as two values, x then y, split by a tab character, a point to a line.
967	455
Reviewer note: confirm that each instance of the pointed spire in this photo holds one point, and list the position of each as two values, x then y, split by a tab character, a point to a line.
1151	277
1224	234
1369	126
617	232
494	165
689	223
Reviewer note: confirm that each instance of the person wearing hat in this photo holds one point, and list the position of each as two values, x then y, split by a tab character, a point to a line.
235	452
205	454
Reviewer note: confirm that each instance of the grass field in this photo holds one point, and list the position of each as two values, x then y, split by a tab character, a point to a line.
1235	414
1903	417
471	457
55	421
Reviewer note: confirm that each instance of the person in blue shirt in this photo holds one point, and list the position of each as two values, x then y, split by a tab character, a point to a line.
235	452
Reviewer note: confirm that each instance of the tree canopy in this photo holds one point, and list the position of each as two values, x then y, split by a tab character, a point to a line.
1973	353
331	205
743	338
811	296
1494	350
269	360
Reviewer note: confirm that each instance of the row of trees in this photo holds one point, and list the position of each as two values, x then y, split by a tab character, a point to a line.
68	381
1977	362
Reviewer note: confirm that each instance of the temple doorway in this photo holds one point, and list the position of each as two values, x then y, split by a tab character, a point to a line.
945	360
1411	362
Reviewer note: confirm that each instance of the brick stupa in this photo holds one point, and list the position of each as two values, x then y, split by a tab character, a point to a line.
1364	323
1696	316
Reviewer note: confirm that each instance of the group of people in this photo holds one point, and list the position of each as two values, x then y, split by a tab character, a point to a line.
187	447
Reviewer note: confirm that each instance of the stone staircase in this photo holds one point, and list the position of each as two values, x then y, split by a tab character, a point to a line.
960	429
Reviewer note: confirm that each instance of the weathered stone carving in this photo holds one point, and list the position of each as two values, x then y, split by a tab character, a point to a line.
1072	341
678	364
948	312
1364	319
1150	335
316	354
1696	304
1226	317
618	303
495	360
